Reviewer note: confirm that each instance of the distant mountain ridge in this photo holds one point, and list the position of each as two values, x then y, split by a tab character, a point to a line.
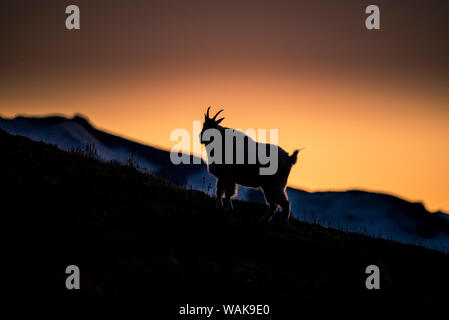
135	235
375	214
77	133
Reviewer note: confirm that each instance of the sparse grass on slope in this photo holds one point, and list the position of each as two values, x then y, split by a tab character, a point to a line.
135	234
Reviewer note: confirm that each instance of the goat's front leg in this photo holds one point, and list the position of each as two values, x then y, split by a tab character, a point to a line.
229	205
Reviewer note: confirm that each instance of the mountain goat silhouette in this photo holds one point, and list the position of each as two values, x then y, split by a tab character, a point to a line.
234	167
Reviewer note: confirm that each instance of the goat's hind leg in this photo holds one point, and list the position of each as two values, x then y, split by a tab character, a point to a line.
269	214
272	206
286	208
281	199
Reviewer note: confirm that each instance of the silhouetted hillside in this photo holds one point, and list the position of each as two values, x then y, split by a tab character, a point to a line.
374	214
135	234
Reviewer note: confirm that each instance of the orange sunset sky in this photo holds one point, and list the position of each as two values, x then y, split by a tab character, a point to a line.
371	108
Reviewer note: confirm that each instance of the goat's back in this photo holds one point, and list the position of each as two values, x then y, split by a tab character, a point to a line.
248	173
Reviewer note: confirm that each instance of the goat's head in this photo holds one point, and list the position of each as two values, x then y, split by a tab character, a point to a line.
210	123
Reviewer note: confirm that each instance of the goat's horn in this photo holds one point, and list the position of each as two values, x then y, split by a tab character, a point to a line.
219	120
215	117
207	114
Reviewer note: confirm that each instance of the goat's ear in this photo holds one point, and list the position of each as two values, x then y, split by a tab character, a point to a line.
219	120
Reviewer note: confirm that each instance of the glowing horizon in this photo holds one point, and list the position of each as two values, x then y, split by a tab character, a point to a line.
380	152
371	108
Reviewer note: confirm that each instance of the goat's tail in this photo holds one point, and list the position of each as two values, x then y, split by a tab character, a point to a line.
294	157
